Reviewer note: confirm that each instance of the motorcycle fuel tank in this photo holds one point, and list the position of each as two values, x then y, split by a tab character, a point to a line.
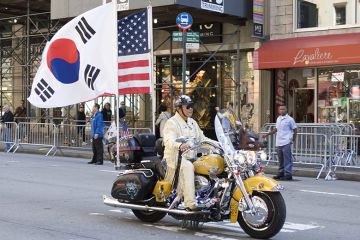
211	162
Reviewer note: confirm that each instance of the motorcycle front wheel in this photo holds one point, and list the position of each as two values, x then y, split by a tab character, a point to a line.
269	218
149	216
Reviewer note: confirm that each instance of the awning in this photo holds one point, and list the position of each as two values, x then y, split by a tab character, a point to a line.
315	51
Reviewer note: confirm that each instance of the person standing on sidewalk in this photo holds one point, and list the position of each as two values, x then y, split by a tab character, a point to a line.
286	131
97	134
81	122
7	119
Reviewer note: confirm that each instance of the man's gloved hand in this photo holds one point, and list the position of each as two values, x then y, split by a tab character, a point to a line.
96	136
183	147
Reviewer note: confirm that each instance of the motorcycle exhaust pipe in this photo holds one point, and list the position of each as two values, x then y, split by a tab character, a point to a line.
115	203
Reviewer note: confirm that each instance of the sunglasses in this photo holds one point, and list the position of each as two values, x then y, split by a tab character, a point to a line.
189	106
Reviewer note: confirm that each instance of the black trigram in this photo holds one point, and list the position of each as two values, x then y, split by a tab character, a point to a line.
84	30
90	75
43	90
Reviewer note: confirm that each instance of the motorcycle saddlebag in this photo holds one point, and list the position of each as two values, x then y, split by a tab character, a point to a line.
130	151
147	143
134	185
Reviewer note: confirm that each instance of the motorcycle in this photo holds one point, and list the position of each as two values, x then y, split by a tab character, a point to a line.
229	184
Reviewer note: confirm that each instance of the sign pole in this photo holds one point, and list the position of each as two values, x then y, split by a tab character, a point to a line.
184	21
184	62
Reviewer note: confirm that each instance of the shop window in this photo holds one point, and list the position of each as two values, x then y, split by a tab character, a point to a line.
340	15
338	95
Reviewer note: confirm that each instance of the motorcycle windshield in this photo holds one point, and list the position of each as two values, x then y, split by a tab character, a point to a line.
225	128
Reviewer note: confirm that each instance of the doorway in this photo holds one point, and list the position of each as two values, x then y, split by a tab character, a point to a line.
303	105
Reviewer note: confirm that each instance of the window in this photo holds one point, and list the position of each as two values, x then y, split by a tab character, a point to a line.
340	15
326	13
307	14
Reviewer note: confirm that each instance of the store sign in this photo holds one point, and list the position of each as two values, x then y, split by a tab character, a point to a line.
258	18
337	77
209	32
312	57
122	5
213	5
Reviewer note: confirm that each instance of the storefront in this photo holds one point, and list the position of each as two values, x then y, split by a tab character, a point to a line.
318	77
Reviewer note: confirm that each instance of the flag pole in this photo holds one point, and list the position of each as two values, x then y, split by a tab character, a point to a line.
115	62
152	92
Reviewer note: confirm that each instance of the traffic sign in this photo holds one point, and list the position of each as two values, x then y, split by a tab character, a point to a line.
184	21
191	37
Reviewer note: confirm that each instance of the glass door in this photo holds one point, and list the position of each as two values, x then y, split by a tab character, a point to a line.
303	105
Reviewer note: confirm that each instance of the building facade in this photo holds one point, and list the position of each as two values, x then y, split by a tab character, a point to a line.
313	60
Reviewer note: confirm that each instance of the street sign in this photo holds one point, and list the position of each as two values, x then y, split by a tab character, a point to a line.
184	21
191	45
191	37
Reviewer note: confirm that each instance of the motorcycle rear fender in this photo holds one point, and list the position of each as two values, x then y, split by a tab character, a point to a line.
257	183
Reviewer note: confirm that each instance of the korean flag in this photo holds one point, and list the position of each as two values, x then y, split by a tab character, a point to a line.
80	61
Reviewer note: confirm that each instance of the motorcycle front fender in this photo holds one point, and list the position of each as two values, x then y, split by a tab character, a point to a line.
256	183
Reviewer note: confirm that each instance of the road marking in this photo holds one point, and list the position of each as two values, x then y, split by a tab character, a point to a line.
117	210
330	193
96	214
200	234
227	228
298	226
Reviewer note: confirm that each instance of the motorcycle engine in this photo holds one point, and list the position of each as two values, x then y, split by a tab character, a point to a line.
202	185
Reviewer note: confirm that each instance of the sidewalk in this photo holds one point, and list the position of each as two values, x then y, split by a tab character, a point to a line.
341	174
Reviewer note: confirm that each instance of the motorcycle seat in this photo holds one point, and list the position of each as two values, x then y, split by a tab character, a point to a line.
157	165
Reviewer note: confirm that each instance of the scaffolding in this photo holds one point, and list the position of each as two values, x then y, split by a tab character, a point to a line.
23	37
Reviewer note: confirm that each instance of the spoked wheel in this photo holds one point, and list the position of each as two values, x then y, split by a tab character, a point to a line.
149	216
269	217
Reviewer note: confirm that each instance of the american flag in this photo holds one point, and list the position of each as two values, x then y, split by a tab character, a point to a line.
125	129
134	57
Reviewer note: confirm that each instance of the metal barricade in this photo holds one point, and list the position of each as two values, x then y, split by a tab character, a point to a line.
344	149
309	149
36	134
8	135
73	136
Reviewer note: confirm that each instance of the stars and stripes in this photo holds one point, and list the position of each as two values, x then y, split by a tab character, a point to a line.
134	55
125	129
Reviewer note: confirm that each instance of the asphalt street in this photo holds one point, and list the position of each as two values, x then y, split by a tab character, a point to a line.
55	198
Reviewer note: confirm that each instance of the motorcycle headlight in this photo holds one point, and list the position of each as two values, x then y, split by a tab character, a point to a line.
251	158
239	158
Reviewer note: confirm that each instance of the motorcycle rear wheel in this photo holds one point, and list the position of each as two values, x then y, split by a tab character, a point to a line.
149	216
270	218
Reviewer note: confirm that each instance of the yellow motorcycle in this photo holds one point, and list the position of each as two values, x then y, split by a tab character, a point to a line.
229	184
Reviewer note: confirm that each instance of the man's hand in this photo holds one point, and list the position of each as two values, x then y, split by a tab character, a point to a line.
183	147
96	136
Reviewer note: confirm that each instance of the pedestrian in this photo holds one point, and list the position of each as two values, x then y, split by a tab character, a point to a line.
81	122
7	120
286	131
20	116
97	134
165	114
107	114
122	110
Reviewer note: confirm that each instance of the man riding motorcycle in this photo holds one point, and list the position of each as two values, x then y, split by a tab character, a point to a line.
182	125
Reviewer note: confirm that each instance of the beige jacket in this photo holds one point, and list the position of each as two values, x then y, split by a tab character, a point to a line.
174	128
